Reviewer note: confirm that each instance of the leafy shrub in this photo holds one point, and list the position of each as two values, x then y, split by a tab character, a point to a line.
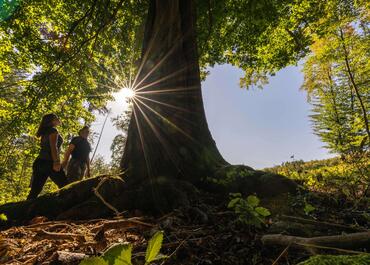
3	217
346	177
308	208
121	253
248	211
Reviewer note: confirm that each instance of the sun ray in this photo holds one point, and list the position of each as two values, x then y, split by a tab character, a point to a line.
159	63
114	88
164	118
161	79
167	91
171	155
171	106
146	158
176	43
165	104
145	57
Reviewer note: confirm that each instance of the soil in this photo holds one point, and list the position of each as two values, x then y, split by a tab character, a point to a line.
204	233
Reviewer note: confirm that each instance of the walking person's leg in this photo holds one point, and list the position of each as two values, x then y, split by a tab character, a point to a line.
83	170
39	177
74	170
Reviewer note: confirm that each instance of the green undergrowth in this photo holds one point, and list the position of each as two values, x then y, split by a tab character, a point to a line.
121	254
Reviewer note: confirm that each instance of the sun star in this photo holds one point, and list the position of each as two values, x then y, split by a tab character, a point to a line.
127	93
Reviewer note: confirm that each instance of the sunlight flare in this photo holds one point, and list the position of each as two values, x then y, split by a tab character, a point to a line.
126	93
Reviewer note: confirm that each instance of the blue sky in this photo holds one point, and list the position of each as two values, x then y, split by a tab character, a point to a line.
259	128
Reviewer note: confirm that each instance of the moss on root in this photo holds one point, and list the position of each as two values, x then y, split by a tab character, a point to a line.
246	180
53	204
363	259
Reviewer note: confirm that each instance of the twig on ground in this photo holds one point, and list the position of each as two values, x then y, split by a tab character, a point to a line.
59	236
50	227
48	223
125	223
176	249
281	254
31	260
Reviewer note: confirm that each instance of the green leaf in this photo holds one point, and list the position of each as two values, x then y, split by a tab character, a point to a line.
233	202
160	256
93	261
262	211
154	246
253	200
308	208
3	217
118	254
235	194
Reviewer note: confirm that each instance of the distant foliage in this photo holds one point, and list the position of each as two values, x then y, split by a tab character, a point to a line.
118	145
100	167
336	175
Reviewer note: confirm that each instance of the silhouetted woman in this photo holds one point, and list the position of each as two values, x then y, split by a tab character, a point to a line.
47	164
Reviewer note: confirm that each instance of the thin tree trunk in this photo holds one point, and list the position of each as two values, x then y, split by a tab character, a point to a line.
168	133
354	85
340	137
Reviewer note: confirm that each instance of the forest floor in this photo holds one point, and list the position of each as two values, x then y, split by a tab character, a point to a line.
206	234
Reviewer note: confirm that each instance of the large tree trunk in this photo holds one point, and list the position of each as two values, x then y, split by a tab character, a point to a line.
168	134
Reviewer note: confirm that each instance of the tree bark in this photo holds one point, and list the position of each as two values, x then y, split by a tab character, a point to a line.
168	133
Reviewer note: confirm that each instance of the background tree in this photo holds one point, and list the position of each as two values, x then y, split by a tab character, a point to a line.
99	166
336	79
121	122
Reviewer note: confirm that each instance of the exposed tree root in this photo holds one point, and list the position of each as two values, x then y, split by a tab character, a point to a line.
105	196
347	241
75	200
97	194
